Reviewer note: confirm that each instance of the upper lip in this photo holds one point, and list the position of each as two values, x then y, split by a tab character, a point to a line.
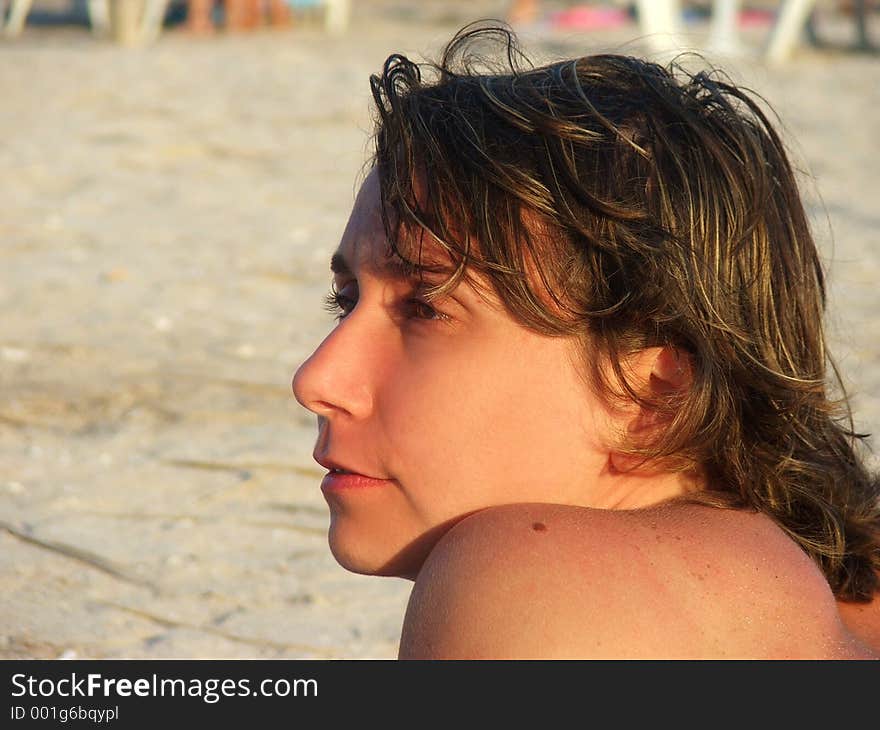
334	465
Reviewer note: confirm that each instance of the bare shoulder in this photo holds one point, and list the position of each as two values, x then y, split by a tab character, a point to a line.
556	581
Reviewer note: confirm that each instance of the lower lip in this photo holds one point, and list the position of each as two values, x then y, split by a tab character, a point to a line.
335	481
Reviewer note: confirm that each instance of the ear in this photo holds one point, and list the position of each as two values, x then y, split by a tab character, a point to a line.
653	371
670	370
657	370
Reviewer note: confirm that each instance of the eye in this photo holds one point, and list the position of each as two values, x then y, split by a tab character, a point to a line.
341	303
419	309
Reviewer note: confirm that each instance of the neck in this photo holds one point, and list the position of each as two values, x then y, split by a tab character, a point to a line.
639	488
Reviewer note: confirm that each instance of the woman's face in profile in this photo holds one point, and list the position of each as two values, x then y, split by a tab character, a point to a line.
447	408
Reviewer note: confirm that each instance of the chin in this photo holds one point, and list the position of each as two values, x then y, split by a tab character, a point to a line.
382	554
366	554
353	557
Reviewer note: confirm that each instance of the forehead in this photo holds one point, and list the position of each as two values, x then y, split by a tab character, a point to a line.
365	246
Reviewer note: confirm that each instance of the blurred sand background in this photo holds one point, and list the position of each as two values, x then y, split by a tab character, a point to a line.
168	215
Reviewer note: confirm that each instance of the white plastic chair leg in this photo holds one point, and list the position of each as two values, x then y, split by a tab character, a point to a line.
99	16
723	30
787	29
336	16
17	16
154	17
660	24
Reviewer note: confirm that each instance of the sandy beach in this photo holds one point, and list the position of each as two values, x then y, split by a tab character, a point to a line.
168	217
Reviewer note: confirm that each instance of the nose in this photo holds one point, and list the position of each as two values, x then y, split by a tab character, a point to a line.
334	379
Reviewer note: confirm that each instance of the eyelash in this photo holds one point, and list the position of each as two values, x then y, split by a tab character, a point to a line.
340	305
335	303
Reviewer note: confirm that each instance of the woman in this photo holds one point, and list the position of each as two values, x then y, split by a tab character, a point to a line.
577	391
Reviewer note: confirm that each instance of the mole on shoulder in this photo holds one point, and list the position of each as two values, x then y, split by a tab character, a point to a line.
539	527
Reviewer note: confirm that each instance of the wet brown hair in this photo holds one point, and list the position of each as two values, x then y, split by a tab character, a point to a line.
635	205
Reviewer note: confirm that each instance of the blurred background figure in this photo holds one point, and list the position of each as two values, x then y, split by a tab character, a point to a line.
203	16
522	12
141	22
662	24
238	15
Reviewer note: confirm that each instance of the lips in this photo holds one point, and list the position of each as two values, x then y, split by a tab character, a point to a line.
336	481
343	477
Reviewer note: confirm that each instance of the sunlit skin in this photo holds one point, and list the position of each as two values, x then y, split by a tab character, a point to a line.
493	483
456	405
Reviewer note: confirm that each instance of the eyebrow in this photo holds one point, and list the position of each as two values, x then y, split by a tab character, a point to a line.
394	267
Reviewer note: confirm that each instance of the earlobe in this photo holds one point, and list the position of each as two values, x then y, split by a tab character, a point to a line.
620	463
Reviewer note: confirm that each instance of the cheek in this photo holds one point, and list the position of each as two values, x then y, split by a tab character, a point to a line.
484	416
436	408
443	417
486	421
